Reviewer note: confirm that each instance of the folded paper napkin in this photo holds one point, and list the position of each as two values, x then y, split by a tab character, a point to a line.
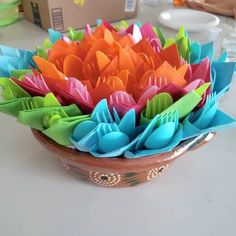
117	91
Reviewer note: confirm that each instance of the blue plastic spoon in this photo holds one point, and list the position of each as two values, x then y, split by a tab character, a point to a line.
161	136
112	141
83	129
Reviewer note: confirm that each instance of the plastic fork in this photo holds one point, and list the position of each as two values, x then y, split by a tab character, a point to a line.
210	101
164	133
156	44
94	135
158	104
187	103
29	105
162	81
121	97
204	116
91	70
36	81
101	113
114	82
104	117
104	129
51	117
110	138
77	89
169	117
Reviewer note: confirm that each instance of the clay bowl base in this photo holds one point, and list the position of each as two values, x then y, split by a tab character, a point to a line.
117	172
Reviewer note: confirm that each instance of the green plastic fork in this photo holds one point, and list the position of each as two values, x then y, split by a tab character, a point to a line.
158	104
155	106
40	102
187	103
183	106
34	118
29	104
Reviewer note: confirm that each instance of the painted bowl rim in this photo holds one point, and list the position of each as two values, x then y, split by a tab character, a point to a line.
89	161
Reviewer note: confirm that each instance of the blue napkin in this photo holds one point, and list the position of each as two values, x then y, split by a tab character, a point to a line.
87	135
54	35
199	52
13	52
14	59
222	73
219	122
147	152
119	152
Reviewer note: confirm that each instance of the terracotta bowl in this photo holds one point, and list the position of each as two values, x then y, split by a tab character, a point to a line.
117	172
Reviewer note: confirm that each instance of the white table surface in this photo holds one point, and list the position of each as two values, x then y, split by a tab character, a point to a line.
196	196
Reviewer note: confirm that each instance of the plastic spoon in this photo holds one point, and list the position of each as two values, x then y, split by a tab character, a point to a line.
83	129
161	136
112	141
164	133
206	119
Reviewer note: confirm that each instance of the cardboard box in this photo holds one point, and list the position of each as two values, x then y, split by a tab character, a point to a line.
61	14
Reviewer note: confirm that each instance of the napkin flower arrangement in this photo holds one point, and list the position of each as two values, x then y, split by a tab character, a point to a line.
117	91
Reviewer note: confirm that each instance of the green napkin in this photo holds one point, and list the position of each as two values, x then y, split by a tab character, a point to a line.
62	129
184	48
42	52
75	35
183	106
182	42
14	106
35	117
20	73
160	35
11	90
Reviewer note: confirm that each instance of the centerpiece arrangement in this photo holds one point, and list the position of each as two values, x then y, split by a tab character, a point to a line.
118	103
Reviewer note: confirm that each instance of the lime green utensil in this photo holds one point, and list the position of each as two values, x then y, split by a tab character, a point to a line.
62	129
157	105
184	48
51	101
160	35
42	52
169	42
181	34
202	89
52	117
20	73
182	42
14	106
124	24
11	90
35	117
187	103
75	35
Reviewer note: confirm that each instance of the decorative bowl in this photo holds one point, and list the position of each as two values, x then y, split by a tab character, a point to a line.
118	172
118	103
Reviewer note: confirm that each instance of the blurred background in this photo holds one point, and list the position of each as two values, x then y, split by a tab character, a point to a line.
62	14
